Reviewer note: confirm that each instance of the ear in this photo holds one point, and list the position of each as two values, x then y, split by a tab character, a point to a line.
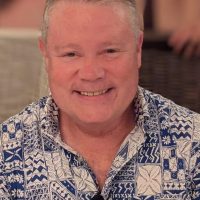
43	50
139	48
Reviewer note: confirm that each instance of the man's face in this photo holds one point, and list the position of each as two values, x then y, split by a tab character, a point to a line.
92	61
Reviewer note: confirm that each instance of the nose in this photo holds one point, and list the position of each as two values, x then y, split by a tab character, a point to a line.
91	69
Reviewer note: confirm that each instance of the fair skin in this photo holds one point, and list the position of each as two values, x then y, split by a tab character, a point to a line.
92	63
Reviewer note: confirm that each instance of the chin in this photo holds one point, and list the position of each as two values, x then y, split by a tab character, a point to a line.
94	120
93	117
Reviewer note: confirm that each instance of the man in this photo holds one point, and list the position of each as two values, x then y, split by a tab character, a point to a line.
99	135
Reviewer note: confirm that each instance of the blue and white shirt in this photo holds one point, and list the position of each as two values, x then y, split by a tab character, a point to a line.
159	159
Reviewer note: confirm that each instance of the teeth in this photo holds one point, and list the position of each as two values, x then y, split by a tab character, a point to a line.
95	93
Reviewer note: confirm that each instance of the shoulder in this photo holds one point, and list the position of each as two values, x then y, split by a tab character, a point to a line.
164	105
14	127
177	131
177	119
19	145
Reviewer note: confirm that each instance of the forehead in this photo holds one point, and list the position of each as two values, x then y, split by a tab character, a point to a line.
81	5
89	25
81	15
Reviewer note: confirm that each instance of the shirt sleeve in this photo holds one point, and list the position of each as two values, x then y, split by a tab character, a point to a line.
4	191
195	173
195	160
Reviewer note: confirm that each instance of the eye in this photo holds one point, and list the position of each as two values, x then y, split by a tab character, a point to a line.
111	51
70	54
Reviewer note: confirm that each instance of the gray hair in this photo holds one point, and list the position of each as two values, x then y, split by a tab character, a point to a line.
136	18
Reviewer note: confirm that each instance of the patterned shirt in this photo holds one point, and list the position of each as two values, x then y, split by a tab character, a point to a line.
158	160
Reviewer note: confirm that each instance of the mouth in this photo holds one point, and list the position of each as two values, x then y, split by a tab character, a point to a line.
94	93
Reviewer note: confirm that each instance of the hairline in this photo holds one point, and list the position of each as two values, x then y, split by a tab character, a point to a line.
135	19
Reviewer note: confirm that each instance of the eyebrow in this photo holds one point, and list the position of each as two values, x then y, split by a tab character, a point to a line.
76	46
70	45
110	43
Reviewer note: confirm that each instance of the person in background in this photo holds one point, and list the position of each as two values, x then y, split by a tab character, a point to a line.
98	135
179	19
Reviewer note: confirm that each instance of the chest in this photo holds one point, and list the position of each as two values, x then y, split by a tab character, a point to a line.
101	168
59	175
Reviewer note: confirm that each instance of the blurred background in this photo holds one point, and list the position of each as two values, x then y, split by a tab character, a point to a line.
21	75
171	52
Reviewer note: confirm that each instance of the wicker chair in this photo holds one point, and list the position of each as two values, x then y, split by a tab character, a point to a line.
20	74
170	75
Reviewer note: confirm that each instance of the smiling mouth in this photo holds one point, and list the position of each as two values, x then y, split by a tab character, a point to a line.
93	93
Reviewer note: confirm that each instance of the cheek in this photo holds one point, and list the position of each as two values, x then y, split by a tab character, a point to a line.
59	72
55	77
126	70
127	75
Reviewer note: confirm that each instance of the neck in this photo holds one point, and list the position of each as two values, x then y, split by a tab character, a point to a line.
94	136
98	143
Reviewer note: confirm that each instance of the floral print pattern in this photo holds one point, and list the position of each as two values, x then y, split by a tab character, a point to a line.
158	160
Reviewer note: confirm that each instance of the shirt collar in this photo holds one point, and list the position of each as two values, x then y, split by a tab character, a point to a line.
49	115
